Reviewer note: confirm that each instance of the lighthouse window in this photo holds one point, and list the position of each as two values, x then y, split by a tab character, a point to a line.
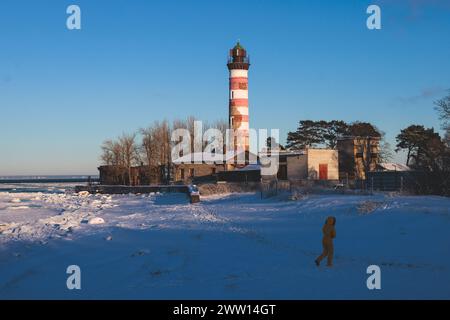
232	94
242	86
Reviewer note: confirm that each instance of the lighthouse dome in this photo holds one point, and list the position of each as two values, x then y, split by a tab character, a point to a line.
238	46
238	51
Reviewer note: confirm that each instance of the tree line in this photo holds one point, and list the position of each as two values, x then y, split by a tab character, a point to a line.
428	153
150	146
311	133
323	133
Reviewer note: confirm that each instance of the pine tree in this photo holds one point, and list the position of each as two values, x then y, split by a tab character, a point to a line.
364	129
332	130
423	146
306	135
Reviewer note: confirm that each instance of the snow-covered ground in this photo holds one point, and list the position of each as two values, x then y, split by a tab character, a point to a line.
226	247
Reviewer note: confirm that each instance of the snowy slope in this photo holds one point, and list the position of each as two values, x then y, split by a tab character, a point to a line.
226	247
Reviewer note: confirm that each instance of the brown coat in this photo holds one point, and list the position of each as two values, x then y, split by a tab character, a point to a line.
329	233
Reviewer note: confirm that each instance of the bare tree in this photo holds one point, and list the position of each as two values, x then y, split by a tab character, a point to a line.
107	156
220	125
187	124
150	144
129	152
443	107
162	151
386	153
113	156
154	149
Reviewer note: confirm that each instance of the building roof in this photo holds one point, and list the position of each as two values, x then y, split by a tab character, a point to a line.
250	167
202	157
292	152
266	151
392	166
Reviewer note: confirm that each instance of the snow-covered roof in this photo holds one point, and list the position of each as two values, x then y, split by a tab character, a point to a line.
283	152
201	157
392	166
250	167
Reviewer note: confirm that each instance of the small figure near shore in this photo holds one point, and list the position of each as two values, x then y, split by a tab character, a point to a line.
329	233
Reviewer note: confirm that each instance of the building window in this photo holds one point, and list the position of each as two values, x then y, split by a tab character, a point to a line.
191	172
181	174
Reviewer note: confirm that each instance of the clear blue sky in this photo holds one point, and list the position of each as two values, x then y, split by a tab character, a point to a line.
63	92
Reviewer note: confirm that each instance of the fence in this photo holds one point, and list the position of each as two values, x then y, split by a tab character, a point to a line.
270	188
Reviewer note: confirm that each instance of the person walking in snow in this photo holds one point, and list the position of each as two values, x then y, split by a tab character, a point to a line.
329	233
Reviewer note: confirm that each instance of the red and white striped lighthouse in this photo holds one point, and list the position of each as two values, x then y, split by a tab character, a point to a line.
238	65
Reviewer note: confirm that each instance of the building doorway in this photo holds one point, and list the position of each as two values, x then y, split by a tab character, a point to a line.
323	171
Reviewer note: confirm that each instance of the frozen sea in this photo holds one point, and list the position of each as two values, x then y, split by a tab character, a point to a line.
43	184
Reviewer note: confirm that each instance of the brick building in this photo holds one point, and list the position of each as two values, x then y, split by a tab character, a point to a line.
357	155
